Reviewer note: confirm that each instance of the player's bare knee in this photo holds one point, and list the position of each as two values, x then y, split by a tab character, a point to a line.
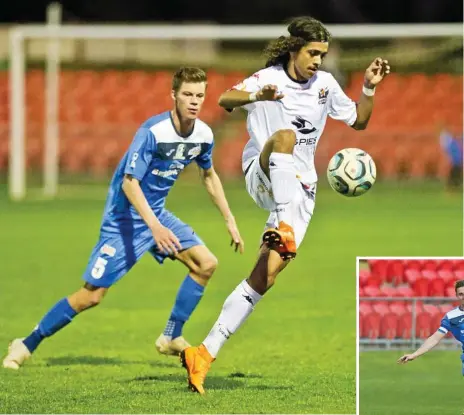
284	141
207	267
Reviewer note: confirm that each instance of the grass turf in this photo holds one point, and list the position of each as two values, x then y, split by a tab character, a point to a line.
296	354
431	385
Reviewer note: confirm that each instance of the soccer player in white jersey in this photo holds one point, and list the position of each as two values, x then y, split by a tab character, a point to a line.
135	220
452	322
287	103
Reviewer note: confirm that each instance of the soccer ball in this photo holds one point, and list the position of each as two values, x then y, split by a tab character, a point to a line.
351	172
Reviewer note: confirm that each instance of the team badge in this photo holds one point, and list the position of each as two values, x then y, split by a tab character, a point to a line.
323	93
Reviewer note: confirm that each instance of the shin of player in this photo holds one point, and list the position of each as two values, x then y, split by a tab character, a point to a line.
136	221
288	103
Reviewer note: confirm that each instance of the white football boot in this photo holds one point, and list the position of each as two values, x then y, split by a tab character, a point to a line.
171	347
18	353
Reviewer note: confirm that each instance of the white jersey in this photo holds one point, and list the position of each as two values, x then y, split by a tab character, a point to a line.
304	109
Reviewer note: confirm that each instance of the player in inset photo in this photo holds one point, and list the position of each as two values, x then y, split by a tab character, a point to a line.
452	322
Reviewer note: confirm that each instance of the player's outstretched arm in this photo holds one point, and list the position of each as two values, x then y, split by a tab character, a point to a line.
164	238
216	191
375	74
429	344
235	98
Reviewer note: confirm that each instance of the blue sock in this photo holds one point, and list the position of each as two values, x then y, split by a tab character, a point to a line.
188	297
57	317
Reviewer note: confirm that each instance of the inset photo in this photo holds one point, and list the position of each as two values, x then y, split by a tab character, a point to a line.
411	335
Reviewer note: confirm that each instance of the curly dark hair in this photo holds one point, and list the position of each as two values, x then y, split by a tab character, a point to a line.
458	285
302	30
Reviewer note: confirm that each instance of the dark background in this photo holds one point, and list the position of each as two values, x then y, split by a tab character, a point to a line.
239	11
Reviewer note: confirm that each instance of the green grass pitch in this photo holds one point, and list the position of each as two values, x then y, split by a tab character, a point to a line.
296	353
430	385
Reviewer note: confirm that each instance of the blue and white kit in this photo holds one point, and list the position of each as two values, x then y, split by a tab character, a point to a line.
156	157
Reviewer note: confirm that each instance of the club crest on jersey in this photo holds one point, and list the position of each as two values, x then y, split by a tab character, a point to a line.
195	151
323	93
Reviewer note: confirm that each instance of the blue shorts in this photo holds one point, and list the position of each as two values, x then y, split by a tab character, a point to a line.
120	248
462	359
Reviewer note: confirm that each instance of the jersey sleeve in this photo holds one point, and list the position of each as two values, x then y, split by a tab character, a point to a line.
205	158
445	325
250	84
341	107
140	153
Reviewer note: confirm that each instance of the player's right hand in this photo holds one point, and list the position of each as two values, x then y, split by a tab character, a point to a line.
269	93
406	358
165	240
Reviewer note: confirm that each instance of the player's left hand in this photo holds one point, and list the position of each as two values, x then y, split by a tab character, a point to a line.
237	240
376	72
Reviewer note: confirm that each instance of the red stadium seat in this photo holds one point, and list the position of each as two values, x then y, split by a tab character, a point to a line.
405	291
430	265
423	324
458	265
388	291
398	308
404	326
436	288
421	287
429	274
446	275
372	291
396	272
364	274
459	274
450	292
445	265
371	325
379	269
411	275
414	264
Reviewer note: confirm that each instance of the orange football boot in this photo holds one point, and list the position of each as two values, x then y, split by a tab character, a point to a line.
281	240
197	362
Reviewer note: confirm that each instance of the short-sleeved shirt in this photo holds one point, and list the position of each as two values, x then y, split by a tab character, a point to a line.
156	157
304	109
453	322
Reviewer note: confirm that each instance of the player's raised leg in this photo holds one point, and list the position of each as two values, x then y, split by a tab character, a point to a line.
201	264
276	161
236	309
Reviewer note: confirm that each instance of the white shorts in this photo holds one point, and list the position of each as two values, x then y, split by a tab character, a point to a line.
259	188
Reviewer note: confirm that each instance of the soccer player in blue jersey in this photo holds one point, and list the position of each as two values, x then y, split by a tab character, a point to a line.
452	322
135	220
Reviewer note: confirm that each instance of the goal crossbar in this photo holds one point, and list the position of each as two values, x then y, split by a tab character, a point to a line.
54	31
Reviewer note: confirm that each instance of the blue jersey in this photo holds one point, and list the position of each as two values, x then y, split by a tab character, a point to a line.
156	156
454	322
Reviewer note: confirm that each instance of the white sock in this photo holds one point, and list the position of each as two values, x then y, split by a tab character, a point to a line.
284	184
237	307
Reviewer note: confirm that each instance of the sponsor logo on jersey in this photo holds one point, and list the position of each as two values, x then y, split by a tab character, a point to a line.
108	250
305	141
173	169
166	173
303	126
323	93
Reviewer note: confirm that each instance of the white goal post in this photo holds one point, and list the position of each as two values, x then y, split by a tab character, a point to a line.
53	32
